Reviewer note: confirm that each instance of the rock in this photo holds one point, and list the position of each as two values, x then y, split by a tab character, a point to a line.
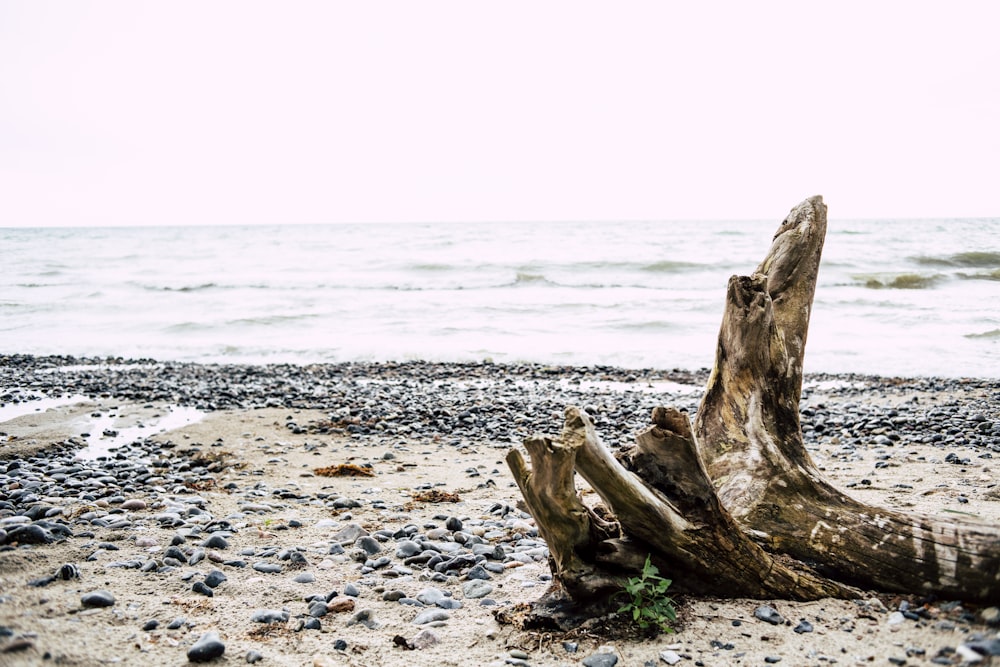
895	618
368	544
477	588
133	504
214	578
990	616
430	596
208	647
340	605
365	617
803	626
254	656
670	657
349	534
424	639
352	590
267	568
29	534
202	588
18	645
478	572
270	616
768	614
215	541
989	647
431	616
601	660
304	578
98	599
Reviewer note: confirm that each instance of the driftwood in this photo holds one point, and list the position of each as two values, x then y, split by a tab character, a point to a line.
734	506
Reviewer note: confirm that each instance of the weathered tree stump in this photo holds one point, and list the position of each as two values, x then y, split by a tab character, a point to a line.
734	507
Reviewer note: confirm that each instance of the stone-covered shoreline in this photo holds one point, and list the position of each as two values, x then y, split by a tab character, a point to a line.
223	536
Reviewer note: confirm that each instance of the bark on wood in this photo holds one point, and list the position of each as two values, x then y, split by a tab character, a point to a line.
748	424
735	506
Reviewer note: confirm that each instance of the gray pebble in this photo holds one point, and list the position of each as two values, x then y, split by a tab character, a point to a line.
270	616
267	568
601	660
431	616
768	614
477	588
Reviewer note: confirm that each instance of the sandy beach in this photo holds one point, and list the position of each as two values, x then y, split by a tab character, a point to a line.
362	514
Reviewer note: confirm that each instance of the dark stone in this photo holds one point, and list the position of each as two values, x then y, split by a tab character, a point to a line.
208	647
201	588
215	541
98	599
29	534
214	578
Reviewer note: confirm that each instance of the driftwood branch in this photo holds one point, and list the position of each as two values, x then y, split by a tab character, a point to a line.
734	505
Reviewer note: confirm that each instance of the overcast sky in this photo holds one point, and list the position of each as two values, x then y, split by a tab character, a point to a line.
135	112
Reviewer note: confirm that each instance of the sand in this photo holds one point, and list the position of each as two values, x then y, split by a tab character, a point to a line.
255	448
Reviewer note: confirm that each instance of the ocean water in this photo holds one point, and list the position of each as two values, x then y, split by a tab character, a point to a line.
895	297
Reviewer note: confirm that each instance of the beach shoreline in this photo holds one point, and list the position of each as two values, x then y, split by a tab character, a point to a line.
241	465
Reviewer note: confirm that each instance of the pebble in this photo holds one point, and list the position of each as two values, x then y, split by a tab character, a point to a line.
431	616
670	657
601	660
268	568
424	639
477	588
98	599
270	616
469	550
208	647
768	614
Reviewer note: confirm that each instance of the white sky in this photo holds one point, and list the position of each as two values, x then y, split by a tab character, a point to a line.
135	112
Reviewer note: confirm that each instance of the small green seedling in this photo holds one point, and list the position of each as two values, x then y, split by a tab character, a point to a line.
648	602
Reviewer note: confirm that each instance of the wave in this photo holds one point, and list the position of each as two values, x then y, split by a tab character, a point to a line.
649	325
523	278
670	266
899	281
185	288
975	258
270	319
994	333
992	275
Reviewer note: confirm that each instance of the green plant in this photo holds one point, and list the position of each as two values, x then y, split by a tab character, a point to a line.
648	602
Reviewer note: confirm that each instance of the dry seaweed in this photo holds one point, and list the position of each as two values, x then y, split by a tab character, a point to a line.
344	470
436	496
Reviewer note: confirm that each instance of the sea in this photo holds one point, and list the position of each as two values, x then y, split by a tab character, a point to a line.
894	298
